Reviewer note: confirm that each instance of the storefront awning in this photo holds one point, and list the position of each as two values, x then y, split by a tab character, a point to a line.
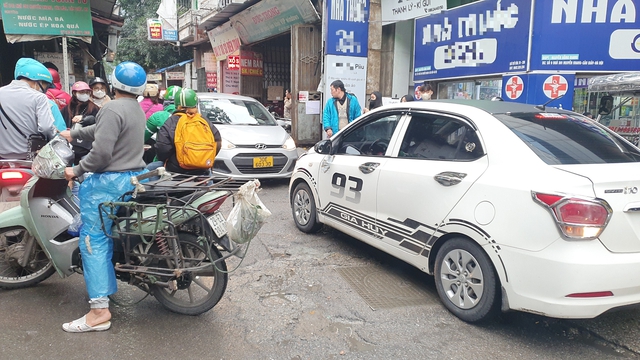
182	63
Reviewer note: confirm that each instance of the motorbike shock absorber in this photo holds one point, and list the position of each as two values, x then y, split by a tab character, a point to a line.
163	244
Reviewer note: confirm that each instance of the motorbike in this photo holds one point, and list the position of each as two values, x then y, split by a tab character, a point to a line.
168	239
13	175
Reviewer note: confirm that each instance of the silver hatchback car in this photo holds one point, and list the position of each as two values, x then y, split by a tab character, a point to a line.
253	144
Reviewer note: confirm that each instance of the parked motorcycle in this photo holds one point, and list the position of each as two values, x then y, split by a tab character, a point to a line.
13	175
167	240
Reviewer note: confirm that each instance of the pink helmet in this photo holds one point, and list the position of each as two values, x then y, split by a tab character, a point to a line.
80	86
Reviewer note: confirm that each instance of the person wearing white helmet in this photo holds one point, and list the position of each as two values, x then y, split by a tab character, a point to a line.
115	156
25	109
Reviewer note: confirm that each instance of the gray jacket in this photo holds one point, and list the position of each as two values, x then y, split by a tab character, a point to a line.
118	139
30	111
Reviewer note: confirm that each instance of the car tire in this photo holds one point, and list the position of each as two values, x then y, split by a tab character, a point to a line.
466	281
303	209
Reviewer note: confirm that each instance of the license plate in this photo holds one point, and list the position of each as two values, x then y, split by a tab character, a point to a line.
218	224
262	162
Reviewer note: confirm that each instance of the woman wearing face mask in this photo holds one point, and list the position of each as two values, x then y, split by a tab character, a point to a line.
374	101
80	112
99	91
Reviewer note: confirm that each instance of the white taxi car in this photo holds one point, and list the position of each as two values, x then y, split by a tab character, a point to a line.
509	206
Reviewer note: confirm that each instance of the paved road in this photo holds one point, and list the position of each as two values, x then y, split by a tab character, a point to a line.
287	300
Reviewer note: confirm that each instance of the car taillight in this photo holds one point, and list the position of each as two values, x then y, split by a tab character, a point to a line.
211	206
577	218
12	175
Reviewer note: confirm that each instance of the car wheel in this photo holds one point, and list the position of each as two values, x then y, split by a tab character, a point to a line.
303	208
466	281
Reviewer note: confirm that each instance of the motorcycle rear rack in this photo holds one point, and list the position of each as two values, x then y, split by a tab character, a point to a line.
160	228
173	182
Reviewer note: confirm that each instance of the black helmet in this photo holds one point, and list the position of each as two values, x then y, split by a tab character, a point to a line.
98	80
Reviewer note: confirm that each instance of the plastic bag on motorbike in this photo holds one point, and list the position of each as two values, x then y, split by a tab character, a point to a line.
52	159
248	214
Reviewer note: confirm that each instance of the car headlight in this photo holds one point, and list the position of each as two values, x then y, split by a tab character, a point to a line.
289	144
227	145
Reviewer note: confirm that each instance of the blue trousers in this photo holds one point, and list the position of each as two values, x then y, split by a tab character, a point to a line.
95	247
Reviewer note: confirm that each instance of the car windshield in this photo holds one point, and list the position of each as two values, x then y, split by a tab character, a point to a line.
569	139
235	112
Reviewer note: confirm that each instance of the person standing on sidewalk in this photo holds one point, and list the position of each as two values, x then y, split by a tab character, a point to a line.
341	109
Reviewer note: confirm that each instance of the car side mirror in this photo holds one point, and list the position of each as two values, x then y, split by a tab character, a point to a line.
323	147
606	105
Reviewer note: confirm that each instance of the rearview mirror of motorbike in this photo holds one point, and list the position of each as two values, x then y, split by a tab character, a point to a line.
606	104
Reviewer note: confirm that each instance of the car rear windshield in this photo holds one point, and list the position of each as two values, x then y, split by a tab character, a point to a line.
569	139
235	112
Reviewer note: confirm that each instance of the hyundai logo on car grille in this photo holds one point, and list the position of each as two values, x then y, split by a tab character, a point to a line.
261	146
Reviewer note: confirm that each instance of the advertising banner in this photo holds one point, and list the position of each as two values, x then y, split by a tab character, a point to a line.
35	17
537	89
154	30
251	63
212	80
233	62
347	27
586	35
175	75
486	37
231	81
394	11
224	40
352	71
272	17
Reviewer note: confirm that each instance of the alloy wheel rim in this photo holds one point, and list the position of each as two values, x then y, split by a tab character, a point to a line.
302	207
462	279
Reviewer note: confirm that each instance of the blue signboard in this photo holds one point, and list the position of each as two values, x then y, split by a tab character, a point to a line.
556	89
347	27
586	35
486	37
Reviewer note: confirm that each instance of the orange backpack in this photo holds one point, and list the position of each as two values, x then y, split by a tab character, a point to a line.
195	143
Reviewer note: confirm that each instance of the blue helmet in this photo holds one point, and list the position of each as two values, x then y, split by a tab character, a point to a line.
129	77
32	70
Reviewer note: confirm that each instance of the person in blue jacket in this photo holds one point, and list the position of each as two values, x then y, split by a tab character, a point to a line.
340	110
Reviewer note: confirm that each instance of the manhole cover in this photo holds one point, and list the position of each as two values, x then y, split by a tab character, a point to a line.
382	289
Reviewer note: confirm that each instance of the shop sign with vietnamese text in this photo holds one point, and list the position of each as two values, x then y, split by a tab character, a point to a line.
154	30
233	62
212	80
251	63
33	17
177	75
224	40
394	11
481	38
347	28
272	17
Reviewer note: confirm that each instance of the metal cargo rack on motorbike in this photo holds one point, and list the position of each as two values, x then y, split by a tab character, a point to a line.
159	209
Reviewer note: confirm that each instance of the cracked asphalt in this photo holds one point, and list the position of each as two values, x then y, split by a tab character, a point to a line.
287	301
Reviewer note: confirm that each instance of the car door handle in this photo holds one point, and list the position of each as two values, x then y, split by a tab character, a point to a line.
449	178
368	167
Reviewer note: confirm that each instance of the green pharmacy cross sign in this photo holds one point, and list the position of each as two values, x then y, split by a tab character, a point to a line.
47	17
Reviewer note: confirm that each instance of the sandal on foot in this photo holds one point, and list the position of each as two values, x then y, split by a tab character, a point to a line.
80	326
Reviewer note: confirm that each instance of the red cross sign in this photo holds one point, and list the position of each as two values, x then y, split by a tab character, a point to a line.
514	87
554	86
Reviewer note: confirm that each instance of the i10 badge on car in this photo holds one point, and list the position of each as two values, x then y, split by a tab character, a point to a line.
509	206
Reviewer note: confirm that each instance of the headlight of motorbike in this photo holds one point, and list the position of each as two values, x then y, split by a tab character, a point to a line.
289	144
227	145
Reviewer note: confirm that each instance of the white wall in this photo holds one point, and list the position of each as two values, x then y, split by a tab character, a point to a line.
403	59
